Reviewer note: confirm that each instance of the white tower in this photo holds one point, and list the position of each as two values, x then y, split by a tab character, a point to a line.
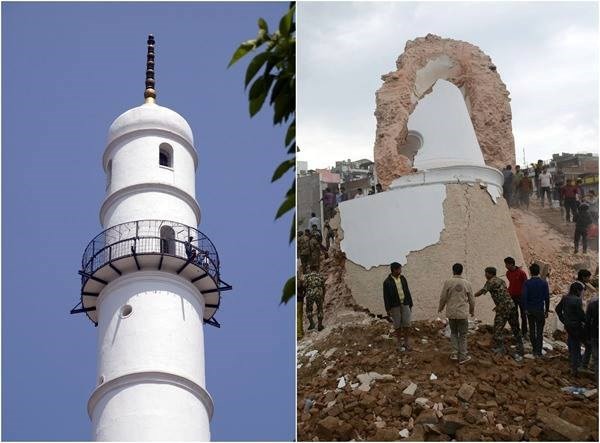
149	282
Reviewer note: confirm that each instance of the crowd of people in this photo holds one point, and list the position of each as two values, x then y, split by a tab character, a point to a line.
529	296
579	207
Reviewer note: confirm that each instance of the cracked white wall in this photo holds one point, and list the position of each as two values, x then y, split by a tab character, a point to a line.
382	228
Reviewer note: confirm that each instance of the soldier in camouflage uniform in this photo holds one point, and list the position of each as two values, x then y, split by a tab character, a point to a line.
506	311
315	249
304	249
314	290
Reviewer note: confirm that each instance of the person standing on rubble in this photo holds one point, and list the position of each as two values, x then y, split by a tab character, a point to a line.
304	248
525	189
584	220
314	290
569	194
507	187
545	185
457	297
300	304
570	313
591	325
506	311
516	278
314	248
536	303
329	235
398	304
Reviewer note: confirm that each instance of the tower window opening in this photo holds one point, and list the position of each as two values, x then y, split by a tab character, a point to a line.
165	155
167	240
126	311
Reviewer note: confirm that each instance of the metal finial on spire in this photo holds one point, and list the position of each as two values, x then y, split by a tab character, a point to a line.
150	92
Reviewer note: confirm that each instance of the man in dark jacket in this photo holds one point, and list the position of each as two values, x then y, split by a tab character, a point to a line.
398	304
536	302
584	220
570	313
591	326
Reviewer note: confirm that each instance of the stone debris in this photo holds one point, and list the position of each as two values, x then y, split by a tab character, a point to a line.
341	382
410	389
465	392
404	433
432	377
330	352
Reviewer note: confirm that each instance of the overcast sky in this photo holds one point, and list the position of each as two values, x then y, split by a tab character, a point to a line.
546	54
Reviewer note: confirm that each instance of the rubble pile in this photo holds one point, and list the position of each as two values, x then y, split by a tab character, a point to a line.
540	242
353	384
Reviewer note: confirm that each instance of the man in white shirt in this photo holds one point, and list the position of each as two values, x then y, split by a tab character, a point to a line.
545	185
314	220
359	193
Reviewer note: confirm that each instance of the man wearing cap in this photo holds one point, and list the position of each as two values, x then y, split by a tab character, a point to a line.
505	310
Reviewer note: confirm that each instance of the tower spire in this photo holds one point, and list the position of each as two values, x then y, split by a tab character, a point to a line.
150	92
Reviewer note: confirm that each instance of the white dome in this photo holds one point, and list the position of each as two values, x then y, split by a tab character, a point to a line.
150	116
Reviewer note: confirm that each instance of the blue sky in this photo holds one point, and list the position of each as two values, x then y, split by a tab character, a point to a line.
68	70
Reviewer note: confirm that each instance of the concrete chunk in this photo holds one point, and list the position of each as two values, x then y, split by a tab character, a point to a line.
562	427
411	389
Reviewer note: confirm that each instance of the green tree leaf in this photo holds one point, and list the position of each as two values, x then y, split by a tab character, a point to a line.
255	65
288	204
262	24
289	290
242	50
283	168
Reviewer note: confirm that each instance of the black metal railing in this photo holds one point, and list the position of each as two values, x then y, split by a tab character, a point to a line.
150	237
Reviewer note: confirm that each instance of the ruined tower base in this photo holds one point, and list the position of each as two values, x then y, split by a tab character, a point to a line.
427	229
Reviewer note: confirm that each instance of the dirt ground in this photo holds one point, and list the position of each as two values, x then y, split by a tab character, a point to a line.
353	384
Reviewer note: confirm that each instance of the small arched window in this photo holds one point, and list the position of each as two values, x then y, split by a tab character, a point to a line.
108	174
167	240
165	155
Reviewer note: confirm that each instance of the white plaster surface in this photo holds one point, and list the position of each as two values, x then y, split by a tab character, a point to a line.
382	228
148	202
485	176
150	116
163	333
135	160
442	120
130	414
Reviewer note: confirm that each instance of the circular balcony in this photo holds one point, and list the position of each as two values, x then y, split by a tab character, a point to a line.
150	245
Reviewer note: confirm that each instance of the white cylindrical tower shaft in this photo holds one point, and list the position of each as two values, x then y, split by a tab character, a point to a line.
148	282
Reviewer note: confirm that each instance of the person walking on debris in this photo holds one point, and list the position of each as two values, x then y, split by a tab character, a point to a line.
516	278
570	313
536	303
591	327
569	195
314	248
304	249
516	185
457	297
314	290
329	235
314	221
328	203
525	189
398	304
583	278
506	311
508	183
545	185
300	305
584	220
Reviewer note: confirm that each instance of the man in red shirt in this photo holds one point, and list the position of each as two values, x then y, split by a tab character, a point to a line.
516	277
569	194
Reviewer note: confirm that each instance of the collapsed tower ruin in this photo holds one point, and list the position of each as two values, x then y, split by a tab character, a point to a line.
443	130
